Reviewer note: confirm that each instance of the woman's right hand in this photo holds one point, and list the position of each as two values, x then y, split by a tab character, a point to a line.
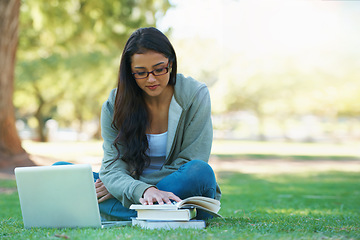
153	195
102	193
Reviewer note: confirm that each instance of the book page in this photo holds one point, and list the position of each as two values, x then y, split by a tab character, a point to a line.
208	203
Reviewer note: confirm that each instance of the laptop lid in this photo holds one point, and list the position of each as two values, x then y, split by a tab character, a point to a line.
58	196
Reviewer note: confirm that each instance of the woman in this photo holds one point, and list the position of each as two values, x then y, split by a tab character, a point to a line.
157	132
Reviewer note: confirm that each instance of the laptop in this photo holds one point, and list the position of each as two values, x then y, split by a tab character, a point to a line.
59	196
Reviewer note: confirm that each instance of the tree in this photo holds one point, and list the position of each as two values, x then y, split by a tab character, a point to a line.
11	151
62	50
267	91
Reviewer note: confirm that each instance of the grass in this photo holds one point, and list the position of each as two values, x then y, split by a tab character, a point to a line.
277	206
307	205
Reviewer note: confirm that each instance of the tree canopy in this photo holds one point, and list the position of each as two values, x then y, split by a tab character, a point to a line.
68	55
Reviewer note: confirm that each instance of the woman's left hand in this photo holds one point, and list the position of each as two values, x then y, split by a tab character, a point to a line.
102	193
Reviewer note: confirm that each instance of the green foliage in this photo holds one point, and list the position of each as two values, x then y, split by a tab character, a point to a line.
68	55
73	25
301	206
285	90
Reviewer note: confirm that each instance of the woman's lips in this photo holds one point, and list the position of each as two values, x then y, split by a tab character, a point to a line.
152	87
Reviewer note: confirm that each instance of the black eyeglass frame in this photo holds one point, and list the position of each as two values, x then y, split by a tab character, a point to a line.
153	72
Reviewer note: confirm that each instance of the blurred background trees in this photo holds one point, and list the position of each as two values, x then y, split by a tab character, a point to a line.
286	102
272	72
68	55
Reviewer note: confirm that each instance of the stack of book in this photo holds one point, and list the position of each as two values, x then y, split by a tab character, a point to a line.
176	215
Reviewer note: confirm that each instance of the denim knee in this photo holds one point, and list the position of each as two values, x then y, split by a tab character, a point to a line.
62	163
200	169
201	174
113	209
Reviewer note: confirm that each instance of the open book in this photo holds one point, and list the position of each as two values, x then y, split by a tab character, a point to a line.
212	206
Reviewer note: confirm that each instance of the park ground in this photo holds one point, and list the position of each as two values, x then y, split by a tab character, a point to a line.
227	155
271	190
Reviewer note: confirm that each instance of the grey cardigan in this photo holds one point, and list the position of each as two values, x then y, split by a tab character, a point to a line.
190	137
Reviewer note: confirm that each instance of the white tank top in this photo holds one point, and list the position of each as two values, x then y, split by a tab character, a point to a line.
156	151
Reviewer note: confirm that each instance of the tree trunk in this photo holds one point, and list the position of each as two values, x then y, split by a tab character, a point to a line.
11	152
97	134
41	124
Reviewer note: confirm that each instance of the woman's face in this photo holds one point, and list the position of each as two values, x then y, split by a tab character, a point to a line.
143	63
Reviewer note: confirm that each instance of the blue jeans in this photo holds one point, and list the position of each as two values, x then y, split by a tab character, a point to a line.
195	178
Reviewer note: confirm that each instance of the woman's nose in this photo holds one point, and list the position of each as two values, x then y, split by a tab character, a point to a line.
151	78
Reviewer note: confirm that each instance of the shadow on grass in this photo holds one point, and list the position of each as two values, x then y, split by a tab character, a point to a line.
259	156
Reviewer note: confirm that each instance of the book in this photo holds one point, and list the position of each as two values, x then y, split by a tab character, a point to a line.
210	205
155	224
177	215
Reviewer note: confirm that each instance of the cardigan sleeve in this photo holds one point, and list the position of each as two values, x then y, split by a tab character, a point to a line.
115	174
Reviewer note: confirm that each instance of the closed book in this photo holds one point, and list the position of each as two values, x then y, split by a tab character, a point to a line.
154	224
177	215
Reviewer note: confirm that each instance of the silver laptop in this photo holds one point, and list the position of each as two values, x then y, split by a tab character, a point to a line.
59	196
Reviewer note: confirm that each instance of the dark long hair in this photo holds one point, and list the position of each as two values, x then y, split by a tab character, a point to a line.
131	117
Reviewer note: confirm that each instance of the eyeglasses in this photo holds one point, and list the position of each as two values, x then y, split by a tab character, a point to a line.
155	72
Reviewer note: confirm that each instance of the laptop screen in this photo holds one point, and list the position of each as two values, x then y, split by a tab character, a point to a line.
58	196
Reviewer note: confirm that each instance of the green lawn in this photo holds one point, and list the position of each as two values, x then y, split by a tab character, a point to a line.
278	206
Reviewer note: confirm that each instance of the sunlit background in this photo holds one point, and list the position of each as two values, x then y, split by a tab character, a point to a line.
276	70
